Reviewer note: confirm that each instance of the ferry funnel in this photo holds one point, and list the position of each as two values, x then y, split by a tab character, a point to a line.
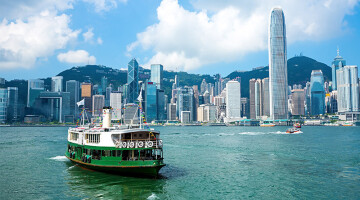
106	117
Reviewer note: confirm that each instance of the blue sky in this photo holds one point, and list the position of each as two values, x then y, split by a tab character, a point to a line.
40	38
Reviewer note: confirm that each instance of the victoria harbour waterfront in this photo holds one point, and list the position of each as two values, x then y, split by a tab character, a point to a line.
202	163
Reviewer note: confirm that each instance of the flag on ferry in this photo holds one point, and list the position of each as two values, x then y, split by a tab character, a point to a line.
81	103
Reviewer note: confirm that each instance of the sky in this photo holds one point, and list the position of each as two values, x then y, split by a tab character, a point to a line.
41	38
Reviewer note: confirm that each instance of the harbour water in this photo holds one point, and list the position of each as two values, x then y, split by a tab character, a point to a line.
202	163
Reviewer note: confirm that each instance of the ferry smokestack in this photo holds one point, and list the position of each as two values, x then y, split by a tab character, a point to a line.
106	117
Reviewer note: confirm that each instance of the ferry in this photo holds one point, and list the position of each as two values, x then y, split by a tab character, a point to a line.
119	149
347	124
267	124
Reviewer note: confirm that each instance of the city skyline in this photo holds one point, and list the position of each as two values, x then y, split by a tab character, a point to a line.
316	34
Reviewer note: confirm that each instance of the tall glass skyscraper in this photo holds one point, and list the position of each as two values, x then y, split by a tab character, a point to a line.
35	87
73	87
233	100
317	97
150	102
3	104
348	89
133	81
338	63
57	84
278	82
157	75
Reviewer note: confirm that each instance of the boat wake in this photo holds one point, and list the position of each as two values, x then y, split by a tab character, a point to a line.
59	158
153	197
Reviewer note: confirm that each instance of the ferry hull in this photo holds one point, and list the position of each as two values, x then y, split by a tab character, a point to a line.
147	171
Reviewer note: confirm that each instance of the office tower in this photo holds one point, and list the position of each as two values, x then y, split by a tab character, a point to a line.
12	105
35	86
203	86
185	101
55	106
2	81
98	102
338	63
200	113
86	94
317	97
298	99
185	117
73	87
233	96
348	89
107	95
333	102
3	105
252	98
278	82
57	84
171	111
307	98
265	97
219	100
157	75
206	97
133	81
131	113
116	103
150	102
160	104
210	113
104	84
245	107
326	87
196	99
258	98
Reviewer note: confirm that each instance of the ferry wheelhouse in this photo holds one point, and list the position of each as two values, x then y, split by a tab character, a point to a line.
117	149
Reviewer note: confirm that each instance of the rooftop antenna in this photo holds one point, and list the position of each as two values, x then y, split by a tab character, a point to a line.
338	51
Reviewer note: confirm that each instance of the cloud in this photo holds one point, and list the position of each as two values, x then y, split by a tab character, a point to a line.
23	42
99	40
77	57
88	36
104	5
225	31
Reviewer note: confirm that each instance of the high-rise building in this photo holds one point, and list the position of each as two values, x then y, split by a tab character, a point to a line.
317	97
150	102
348	89
338	63
104	84
133	81
157	75
55	106
3	105
185	101
57	84
185	117
116	103
233	100
203	86
35	87
107	95
252	98
171	111
258	99
73	88
13	107
265	97
160	104
245	107
86	94
278	82
98	102
298	99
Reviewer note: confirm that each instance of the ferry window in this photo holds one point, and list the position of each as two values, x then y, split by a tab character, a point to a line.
125	155
140	135
92	138
116	153
135	135
106	153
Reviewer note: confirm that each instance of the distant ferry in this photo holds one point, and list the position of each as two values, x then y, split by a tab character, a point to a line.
116	149
347	124
267	124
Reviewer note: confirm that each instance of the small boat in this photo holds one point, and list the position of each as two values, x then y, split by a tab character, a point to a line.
297	125
267	125
347	124
293	130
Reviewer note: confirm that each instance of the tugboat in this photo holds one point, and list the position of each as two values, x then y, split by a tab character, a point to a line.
116	149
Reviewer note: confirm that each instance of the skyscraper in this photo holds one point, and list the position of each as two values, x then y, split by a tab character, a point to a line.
278	82
252	98
3	104
298	99
185	101
317	97
150	102
171	111
98	103
348	89
57	84
157	75
265	97
160	104
73	87
86	94
35	87
115	103
258	98
338	63
12	109
104	84
133	81
233	100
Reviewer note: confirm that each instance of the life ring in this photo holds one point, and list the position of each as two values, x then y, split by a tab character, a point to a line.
124	145
131	144
150	144
140	144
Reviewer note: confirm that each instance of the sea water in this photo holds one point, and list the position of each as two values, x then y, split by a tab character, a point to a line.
202	163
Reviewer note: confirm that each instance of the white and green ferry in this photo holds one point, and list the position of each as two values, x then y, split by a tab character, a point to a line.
117	149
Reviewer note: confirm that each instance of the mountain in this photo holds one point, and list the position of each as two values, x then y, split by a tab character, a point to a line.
299	72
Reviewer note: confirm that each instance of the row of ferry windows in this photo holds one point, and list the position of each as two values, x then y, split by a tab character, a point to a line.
90	138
